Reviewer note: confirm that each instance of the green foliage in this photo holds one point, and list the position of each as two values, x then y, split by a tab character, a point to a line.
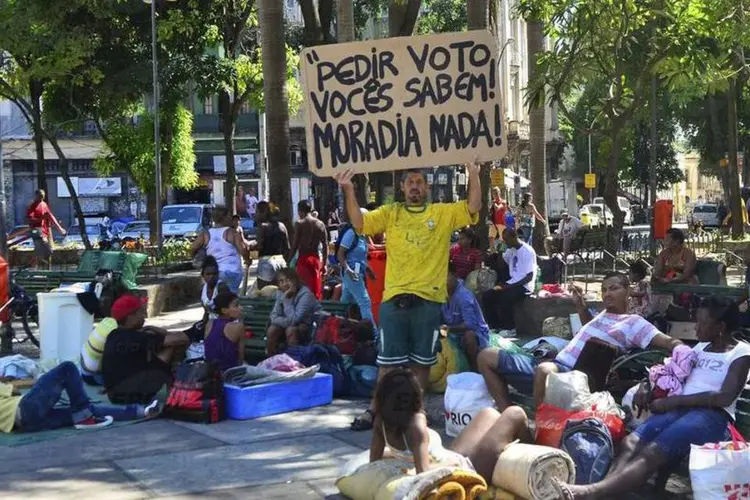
442	16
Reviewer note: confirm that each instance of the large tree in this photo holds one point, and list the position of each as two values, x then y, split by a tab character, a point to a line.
537	132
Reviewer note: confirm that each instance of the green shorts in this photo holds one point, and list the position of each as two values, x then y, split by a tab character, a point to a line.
409	332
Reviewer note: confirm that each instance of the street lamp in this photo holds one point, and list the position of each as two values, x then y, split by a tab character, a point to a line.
157	137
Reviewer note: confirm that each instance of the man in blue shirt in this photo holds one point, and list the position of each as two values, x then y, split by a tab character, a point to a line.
462	316
352	255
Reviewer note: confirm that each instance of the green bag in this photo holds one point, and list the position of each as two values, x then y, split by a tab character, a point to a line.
133	262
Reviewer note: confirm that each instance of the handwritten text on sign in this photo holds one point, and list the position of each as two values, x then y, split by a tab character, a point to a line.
403	102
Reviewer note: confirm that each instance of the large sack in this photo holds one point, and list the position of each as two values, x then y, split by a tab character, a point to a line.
465	396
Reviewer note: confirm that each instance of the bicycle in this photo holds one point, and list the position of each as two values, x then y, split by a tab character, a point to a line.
23	308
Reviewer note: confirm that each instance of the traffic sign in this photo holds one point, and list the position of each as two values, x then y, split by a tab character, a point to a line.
497	177
589	181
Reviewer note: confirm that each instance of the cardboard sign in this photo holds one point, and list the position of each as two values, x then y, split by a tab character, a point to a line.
402	103
589	181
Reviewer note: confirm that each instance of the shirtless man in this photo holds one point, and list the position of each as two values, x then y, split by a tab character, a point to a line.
309	235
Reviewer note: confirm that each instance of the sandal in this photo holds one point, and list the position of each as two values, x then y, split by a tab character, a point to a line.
562	490
362	423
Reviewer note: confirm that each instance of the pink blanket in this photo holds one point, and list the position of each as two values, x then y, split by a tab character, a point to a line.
671	376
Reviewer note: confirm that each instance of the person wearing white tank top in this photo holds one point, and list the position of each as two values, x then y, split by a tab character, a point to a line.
699	415
226	246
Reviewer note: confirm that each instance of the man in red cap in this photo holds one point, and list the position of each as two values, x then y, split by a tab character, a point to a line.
137	360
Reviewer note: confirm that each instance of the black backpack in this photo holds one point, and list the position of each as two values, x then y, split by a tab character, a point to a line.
197	394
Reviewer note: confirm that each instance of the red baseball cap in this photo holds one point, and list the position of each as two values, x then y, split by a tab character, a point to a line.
127	305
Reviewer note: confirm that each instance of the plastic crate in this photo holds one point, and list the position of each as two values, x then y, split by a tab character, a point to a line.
244	403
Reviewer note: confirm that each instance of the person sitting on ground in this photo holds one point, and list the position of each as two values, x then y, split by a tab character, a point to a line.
292	314
225	334
698	416
640	295
91	353
137	360
212	287
613	327
39	408
462	317
566	232
499	302
400	427
465	255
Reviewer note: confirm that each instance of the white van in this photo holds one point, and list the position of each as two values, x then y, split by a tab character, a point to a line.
185	220
624	204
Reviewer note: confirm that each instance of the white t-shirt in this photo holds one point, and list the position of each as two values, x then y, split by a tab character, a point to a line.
569	228
521	262
711	368
624	331
251	203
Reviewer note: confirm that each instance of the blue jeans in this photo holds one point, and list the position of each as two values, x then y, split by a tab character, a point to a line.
518	369
231	279
355	292
39	410
673	432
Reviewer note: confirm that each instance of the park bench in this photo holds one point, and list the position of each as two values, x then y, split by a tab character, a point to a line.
257	312
38	281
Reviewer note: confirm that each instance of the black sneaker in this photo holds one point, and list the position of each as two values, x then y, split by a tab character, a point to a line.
95	422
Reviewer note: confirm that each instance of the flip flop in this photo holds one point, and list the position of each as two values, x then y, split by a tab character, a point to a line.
362	424
562	490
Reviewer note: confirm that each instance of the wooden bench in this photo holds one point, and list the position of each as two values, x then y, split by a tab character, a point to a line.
257	312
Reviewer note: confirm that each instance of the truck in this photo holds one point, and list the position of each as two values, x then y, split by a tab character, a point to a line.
561	195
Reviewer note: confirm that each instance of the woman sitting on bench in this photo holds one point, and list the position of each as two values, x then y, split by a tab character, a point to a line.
292	314
699	415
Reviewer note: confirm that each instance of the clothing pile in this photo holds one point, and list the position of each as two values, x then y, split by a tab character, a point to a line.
18	367
246	375
668	379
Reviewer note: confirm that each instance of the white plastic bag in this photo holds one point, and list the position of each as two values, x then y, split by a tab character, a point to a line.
568	391
627	405
465	396
721	471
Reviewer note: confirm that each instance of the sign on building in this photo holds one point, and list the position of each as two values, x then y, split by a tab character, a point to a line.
243	164
91	187
400	103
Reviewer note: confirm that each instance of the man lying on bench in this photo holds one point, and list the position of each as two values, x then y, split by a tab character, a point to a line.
613	327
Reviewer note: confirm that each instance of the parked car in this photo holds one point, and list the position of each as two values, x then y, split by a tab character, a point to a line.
705	213
185	220
596	215
136	229
74	234
624	206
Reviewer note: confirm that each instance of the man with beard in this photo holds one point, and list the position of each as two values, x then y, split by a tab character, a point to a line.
417	247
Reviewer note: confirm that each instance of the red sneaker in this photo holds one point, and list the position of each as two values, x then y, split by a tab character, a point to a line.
94	422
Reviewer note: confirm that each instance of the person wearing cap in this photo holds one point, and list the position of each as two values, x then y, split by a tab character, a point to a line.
566	231
137	359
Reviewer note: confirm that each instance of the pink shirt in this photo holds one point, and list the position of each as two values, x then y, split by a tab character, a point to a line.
624	331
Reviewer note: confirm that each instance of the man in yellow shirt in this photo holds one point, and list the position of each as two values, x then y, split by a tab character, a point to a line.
417	246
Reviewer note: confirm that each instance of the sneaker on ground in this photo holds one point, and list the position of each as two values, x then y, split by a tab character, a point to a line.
153	410
95	422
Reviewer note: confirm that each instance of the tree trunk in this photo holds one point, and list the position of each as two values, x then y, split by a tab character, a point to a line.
538	158
62	162
477	16
271	13
735	201
228	129
653	154
35	95
610	191
403	16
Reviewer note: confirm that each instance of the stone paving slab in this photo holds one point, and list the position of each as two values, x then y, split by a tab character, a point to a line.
321	419
145	438
303	458
101	480
285	491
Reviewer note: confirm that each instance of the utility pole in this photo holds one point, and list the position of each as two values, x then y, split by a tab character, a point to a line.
652	170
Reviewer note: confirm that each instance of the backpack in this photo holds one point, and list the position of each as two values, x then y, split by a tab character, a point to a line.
328	358
589	444
197	394
336	331
343	229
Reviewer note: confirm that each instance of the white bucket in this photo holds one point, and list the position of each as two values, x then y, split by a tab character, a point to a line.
64	326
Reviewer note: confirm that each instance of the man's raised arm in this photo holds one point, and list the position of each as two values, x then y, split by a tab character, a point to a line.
352	207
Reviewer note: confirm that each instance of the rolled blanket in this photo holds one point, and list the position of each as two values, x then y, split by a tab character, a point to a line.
441	484
247	375
527	470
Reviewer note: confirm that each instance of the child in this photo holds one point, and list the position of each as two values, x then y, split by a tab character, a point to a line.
225	334
640	295
400	426
212	287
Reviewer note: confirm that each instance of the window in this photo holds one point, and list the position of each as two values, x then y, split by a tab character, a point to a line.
208	105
